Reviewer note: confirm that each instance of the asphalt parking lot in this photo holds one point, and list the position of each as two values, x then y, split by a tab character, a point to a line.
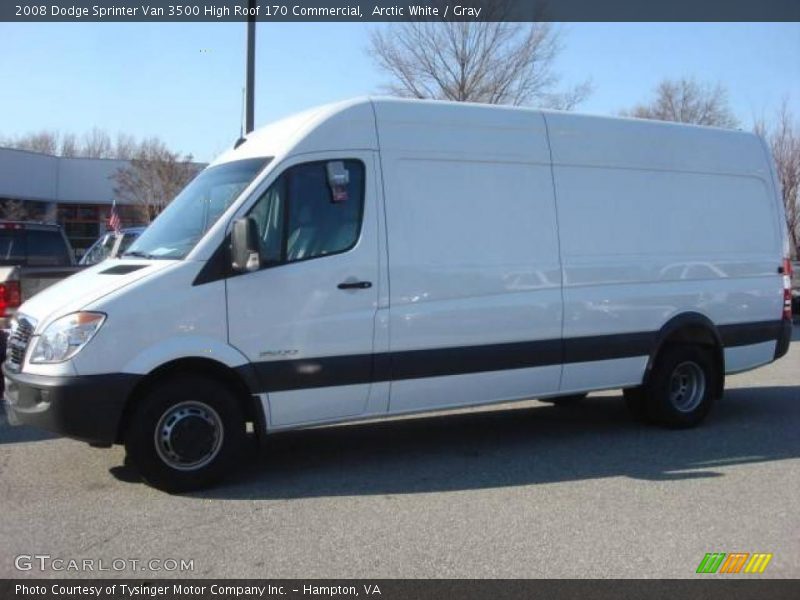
527	490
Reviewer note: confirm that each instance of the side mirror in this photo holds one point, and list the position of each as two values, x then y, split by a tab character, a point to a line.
245	256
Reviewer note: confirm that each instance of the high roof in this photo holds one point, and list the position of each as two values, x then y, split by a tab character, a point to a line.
347	125
514	133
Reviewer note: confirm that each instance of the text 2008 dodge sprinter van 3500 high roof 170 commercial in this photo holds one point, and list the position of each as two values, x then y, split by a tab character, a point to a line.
385	257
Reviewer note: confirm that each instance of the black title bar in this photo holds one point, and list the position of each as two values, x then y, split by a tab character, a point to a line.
381	10
710	588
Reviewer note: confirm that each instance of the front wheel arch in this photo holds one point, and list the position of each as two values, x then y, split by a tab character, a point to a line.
241	382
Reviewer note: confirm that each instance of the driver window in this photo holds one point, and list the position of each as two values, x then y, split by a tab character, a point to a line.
304	215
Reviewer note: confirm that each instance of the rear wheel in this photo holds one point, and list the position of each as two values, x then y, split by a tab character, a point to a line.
680	390
568	400
186	434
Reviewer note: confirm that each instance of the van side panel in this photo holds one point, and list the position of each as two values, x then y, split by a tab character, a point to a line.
658	220
473	253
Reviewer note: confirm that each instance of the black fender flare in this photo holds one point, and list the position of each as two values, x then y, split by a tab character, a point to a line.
685	328
242	380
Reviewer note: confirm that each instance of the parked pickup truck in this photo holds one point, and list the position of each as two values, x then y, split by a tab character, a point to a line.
33	256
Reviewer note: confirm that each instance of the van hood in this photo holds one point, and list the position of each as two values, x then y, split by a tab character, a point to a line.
88	286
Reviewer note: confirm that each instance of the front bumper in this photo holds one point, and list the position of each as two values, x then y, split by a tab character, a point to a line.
87	407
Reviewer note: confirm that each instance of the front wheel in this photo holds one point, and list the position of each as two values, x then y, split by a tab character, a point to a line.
186	434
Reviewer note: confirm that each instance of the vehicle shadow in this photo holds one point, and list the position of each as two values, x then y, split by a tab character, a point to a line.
14	435
518	446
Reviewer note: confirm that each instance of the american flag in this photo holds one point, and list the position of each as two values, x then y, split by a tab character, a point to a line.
113	218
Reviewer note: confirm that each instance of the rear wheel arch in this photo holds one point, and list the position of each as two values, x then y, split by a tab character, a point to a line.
694	329
241	382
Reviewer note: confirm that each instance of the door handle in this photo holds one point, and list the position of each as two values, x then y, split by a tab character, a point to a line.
355	285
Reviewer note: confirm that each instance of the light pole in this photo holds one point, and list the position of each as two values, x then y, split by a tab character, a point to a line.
250	82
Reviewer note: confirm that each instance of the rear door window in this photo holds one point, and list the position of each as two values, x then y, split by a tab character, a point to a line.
46	249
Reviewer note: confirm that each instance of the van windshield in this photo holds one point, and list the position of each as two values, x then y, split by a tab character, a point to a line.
181	225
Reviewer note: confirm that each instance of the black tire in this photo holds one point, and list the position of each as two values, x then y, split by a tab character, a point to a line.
681	388
568	400
203	433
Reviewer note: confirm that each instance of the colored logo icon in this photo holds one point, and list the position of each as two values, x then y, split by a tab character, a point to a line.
736	562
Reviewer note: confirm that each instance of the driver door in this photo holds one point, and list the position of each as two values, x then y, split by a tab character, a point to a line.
305	319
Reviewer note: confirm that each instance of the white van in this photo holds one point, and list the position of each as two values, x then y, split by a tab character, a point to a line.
382	257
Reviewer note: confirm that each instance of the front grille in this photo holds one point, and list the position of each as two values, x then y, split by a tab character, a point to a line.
18	339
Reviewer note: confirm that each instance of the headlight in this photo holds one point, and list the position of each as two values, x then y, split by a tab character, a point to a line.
65	337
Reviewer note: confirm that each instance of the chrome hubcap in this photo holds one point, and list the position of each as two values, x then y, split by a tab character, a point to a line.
687	386
189	436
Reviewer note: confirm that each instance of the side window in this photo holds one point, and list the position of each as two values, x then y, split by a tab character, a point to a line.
99	251
312	210
127	240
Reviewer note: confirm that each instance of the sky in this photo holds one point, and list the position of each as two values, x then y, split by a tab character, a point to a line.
183	81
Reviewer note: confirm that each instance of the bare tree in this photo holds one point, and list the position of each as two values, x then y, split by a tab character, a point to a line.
97	144
783	139
125	146
688	101
94	144
69	145
492	62
15	210
153	178
45	141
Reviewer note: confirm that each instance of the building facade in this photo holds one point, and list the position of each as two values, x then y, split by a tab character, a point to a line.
76	193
